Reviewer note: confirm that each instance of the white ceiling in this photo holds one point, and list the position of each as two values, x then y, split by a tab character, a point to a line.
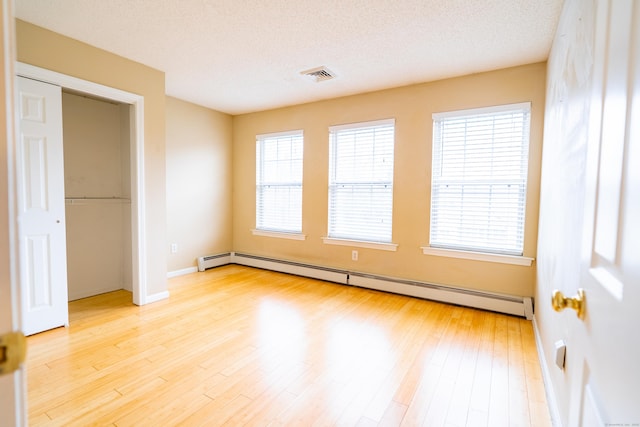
239	56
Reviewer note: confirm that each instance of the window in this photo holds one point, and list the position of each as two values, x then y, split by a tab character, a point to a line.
479	179
361	181
279	182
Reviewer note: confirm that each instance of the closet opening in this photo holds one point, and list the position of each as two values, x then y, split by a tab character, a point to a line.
97	186
104	186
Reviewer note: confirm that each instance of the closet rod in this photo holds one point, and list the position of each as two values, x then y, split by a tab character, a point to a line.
78	200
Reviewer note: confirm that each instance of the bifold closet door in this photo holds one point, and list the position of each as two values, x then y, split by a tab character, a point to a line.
41	206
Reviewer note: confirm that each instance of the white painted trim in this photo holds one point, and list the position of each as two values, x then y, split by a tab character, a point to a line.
138	204
528	307
279	234
502	303
298	269
9	50
372	123
182	272
484	300
526	106
392	247
552	402
70	82
478	256
13	405
138	235
157	297
279	134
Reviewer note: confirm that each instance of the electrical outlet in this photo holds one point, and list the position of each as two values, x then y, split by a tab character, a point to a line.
354	255
174	248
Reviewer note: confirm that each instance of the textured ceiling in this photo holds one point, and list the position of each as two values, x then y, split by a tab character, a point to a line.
239	56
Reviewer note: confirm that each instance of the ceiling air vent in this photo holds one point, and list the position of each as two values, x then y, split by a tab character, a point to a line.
319	74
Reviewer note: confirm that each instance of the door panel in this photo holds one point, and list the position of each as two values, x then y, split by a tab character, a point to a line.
589	233
35	174
41	209
38	276
606	348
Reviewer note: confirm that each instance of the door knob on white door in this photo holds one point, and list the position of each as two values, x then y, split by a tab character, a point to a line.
559	302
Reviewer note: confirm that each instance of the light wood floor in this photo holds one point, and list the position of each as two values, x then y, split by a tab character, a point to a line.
239	346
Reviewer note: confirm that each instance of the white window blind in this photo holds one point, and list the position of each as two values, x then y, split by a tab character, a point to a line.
279	182
479	179
361	181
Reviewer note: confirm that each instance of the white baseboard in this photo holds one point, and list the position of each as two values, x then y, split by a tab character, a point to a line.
182	272
501	303
468	298
508	304
305	270
552	403
156	297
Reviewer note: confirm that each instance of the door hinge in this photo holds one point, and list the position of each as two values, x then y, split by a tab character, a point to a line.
13	352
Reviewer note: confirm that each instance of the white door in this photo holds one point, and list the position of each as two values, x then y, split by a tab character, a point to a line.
605	357
41	206
13	385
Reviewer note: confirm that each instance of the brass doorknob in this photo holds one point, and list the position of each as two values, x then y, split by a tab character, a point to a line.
559	302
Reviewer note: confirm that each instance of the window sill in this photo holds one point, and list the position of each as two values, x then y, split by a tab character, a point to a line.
392	247
478	256
279	234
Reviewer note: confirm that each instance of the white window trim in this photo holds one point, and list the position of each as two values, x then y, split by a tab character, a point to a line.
466	254
388	246
482	110
279	134
273	233
372	123
279	234
392	247
478	256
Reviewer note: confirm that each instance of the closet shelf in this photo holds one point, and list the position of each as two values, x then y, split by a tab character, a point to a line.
96	200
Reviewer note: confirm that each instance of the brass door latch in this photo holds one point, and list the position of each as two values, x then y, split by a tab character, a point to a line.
559	302
13	352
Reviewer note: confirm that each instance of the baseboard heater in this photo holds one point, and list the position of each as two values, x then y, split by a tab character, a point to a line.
299	269
211	261
501	303
509	304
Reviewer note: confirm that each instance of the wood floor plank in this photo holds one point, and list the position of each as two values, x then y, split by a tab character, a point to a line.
499	396
240	346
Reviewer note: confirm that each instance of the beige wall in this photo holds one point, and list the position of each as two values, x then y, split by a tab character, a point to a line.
412	107
96	154
55	52
202	220
198	182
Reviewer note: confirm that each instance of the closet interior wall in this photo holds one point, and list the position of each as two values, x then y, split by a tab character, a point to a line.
98	195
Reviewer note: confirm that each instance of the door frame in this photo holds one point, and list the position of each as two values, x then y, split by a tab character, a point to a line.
136	118
13	387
